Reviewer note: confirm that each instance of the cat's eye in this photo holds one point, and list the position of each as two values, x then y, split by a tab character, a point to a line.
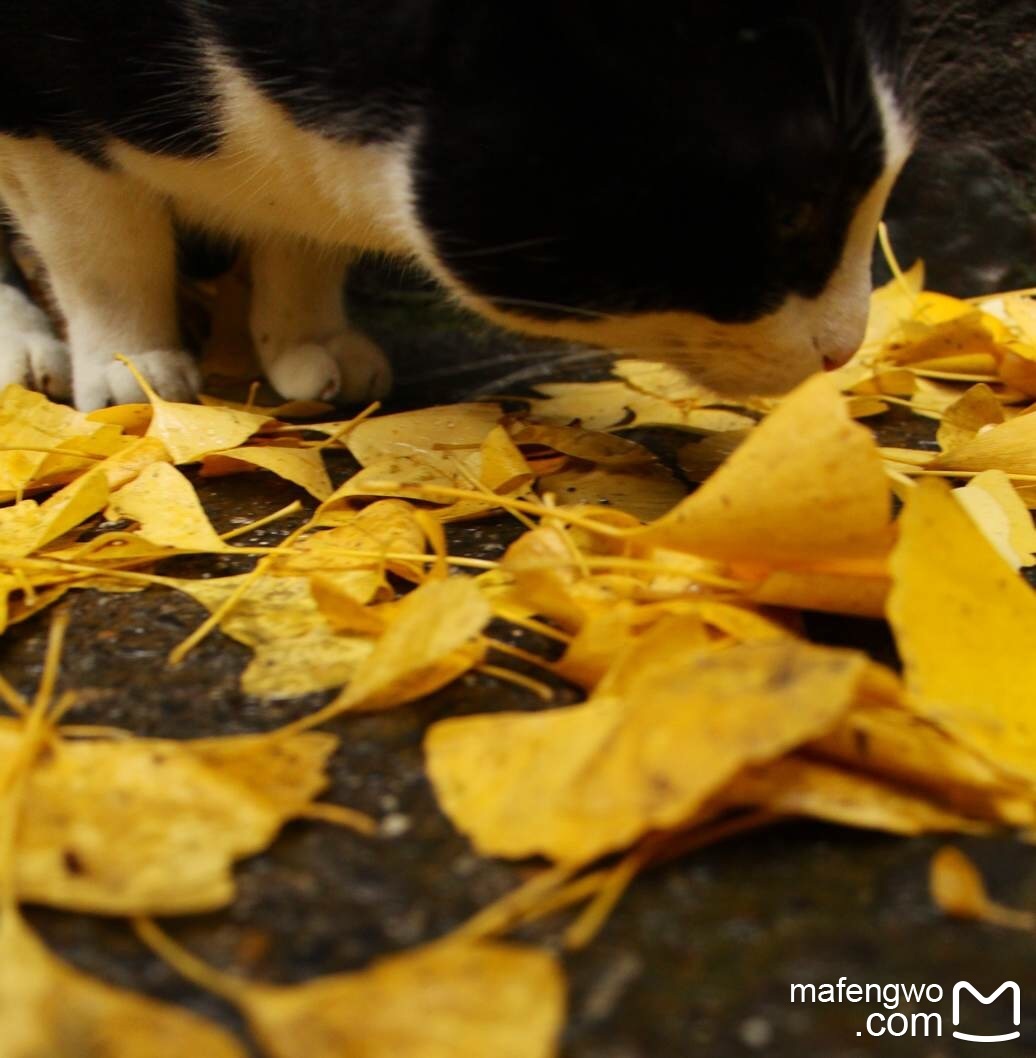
794	219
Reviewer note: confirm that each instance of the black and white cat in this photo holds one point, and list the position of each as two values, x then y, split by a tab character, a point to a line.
696	180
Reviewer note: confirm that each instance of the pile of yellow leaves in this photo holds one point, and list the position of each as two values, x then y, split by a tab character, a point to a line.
706	711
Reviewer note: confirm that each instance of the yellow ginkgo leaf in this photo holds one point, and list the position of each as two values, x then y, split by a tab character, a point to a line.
888	740
503	468
31	426
590	446
1021	533
146	826
806	484
434	436
131	418
384	537
167	509
859	595
798	787
301	466
647	493
48	1008
431	640
977	409
573	784
291	409
965	623
991	514
191	431
603	405
122	467
27	526
446	1001
1009	446
958	890
296	650
453	999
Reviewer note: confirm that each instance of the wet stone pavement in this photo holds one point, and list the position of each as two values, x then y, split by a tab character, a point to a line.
699	957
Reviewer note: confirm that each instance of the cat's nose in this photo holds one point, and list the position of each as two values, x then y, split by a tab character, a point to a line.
837	358
838	339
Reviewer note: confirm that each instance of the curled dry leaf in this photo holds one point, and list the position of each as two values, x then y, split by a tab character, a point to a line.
47	1008
431	639
805	486
890	741
797	786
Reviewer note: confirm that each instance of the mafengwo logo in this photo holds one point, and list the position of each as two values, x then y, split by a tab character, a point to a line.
1009	988
919	1011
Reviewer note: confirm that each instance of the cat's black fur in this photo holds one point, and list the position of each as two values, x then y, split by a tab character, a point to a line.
570	158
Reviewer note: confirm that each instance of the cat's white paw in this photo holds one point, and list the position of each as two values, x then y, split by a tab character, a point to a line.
30	353
173	374
348	367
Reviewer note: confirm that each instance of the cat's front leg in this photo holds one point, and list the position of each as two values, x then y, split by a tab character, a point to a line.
107	244
305	342
31	354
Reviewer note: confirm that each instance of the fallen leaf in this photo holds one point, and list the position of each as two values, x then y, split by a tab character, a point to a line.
964	623
962	420
301	466
959	891
296	650
360	552
430	641
147	826
806	484
1009	446
50	1009
799	787
606	772
432	435
995	507
191	431
888	740
453	999
647	493
167	510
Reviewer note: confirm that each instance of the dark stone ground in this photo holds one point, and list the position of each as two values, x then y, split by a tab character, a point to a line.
699	957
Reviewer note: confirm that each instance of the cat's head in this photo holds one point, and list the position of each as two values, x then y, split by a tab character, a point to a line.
697	181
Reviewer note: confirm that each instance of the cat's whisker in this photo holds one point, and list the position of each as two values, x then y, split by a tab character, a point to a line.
552	306
917	50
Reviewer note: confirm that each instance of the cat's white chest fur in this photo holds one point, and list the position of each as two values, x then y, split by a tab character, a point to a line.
271	176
